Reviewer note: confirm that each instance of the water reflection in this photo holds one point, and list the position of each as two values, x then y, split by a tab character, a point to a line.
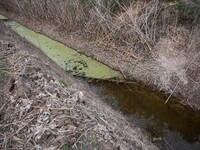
172	126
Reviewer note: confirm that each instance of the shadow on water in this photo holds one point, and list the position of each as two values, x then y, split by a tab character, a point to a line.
171	126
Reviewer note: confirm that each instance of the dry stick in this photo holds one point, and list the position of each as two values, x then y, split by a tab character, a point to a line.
141	35
21	128
121	69
2	107
180	79
74	145
17	122
172	91
168	144
5	141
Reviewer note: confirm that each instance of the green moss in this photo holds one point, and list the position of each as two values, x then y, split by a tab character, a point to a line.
64	82
66	147
2	17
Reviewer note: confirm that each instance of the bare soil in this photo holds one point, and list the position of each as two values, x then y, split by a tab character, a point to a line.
42	107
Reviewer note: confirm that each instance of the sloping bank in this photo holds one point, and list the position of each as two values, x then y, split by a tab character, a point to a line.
155	42
167	114
65	57
47	109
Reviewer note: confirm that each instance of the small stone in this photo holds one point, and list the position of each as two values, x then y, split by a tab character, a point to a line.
157	139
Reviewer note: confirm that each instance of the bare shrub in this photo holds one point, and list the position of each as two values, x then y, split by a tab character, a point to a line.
67	14
138	25
189	11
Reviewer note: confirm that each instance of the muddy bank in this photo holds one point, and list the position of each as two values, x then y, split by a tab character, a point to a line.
46	108
133	100
174	67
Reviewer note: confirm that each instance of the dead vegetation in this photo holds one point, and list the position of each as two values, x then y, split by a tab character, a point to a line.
46	109
152	41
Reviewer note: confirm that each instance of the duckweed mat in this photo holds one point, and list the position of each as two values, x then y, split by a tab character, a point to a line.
67	58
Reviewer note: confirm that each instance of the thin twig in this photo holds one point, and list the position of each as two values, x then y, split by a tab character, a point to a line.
180	79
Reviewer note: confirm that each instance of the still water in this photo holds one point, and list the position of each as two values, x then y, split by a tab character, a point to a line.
171	126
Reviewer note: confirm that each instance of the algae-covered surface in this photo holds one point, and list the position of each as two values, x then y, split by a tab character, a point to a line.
72	61
2	17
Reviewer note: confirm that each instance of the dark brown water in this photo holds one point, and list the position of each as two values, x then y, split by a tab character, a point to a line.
171	126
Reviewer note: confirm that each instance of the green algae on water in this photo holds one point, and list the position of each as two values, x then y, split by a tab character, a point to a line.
67	58
2	17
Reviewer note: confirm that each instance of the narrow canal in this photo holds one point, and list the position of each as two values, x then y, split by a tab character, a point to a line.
172	126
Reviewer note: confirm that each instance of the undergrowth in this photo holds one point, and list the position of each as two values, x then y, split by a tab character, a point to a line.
153	41
189	11
63	82
114	23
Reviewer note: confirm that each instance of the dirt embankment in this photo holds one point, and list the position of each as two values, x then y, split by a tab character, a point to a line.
155	42
44	108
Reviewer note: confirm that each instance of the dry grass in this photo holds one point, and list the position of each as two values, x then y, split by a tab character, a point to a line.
151	41
42	112
138	25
